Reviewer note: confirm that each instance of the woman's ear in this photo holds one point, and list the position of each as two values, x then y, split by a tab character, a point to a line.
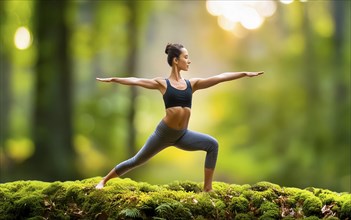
175	60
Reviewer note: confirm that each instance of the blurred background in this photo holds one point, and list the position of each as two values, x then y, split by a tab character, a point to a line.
290	126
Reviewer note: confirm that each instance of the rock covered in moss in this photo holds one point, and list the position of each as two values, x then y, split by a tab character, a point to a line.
127	199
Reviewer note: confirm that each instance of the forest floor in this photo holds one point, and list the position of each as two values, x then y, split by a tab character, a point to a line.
127	199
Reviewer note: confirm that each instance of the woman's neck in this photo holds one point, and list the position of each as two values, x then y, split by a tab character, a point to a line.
175	74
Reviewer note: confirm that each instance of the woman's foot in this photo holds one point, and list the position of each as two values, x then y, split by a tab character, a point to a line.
100	185
110	175
208	190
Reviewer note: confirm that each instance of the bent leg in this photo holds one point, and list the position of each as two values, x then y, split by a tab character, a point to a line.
193	141
208	179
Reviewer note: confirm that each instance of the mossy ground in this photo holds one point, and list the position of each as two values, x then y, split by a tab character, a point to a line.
127	199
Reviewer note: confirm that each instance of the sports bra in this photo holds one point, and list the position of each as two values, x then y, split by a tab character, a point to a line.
174	97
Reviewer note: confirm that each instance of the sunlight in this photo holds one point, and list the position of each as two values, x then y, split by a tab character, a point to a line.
286	1
225	23
23	38
251	19
249	14
214	7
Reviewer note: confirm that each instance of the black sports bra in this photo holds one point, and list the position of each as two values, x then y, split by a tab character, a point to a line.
174	97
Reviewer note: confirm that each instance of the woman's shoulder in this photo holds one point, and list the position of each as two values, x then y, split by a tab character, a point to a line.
160	80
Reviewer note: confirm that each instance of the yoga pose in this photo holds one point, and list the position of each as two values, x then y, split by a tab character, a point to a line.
173	129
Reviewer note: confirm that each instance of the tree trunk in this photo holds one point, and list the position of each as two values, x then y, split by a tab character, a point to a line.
5	92
131	70
52	128
341	96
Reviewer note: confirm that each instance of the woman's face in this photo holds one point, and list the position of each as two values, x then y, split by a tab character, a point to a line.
183	60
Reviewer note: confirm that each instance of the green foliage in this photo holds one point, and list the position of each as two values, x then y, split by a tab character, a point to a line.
130	213
173	211
127	199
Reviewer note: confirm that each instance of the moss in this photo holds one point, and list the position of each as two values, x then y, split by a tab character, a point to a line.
312	206
269	209
312	218
288	218
346	209
263	186
127	199
186	186
242	216
239	205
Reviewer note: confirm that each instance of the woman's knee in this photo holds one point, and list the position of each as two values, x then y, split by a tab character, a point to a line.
213	145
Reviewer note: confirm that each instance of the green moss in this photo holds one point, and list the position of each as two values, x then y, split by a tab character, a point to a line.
239	205
263	186
186	186
312	218
269	209
312	206
346	209
242	216
127	199
332	218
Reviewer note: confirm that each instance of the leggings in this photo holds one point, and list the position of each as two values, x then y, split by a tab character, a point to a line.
164	137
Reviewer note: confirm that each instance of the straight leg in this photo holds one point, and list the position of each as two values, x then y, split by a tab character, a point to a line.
159	140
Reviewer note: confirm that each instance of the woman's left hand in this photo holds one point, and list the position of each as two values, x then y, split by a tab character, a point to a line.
251	74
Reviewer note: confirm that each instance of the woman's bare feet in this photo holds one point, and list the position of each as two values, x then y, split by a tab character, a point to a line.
208	190
100	185
110	175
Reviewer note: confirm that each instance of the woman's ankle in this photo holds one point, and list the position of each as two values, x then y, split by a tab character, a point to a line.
208	189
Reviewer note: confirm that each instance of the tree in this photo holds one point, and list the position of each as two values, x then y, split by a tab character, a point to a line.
5	69
52	129
131	64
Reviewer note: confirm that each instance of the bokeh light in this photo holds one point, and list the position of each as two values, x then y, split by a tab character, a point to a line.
250	14
286	1
23	38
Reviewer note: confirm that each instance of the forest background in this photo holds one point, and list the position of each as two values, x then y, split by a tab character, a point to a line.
290	126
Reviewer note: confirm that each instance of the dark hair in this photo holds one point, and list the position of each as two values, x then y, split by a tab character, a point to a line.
173	50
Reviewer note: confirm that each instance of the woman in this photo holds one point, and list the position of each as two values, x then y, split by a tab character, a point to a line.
172	130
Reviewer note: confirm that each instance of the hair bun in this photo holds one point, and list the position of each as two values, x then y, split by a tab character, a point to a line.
173	51
168	47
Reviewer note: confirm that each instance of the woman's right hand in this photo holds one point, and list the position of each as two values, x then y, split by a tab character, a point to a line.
104	79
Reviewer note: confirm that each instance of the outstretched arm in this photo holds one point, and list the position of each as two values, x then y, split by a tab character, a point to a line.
203	83
133	81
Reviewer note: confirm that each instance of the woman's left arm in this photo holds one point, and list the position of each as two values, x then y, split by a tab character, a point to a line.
203	83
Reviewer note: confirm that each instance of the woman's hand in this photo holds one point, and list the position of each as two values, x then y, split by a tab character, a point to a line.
251	74
104	79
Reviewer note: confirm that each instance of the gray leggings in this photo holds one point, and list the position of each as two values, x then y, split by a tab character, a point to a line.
164	137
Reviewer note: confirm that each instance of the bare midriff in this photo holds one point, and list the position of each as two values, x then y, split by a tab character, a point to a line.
177	117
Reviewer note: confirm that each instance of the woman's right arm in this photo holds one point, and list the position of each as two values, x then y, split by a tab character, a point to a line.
133	81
